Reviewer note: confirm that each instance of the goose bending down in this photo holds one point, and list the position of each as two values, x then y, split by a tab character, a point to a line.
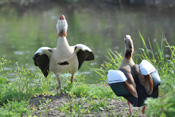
132	81
63	58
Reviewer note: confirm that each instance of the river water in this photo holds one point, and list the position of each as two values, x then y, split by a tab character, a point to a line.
101	27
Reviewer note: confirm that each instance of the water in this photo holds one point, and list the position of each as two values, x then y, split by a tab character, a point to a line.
23	31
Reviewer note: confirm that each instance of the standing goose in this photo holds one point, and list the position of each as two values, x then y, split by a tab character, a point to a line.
63	58
134	82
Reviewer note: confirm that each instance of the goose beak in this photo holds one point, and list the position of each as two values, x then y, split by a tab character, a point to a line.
62	17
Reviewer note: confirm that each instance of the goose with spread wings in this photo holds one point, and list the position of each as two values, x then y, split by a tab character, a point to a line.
63	58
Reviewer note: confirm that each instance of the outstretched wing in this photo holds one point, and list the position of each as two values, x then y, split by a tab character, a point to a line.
42	59
84	53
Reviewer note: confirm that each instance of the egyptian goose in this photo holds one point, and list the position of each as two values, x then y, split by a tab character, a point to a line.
63	58
132	81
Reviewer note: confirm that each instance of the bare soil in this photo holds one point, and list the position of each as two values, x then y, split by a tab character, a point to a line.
43	109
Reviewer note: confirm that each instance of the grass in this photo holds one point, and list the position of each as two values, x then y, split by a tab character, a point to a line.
15	96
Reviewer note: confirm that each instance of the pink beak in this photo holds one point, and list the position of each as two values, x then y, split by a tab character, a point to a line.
62	17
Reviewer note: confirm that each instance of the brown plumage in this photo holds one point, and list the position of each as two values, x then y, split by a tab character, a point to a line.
146	80
132	71
129	84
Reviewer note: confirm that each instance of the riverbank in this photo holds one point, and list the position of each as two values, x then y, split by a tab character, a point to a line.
32	94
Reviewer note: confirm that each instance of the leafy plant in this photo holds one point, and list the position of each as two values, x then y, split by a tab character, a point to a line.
114	59
15	109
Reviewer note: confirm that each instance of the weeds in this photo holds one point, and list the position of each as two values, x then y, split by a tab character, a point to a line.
15	109
86	98
114	59
85	105
31	83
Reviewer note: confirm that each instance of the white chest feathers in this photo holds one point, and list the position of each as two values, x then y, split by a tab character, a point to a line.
63	59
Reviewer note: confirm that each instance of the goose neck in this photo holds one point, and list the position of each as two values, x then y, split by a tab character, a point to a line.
62	41
127	61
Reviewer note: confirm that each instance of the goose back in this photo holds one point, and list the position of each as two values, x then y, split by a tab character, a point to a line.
120	90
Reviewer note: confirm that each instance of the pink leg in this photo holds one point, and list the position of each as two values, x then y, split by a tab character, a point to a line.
129	108
143	109
59	82
72	79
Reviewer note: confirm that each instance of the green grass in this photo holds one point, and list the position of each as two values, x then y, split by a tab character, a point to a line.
15	96
15	109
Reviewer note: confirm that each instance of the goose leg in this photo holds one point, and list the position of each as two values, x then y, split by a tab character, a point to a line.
143	109
129	108
72	78
59	83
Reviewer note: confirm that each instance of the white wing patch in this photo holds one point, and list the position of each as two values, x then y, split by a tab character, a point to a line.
44	50
82	47
40	50
116	76
146	67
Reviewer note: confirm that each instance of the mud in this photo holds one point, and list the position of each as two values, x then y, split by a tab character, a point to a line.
48	106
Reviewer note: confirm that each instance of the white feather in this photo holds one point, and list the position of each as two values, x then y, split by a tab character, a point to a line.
61	25
116	76
43	50
82	47
146	67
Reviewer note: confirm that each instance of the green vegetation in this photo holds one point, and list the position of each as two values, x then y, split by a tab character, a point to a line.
15	96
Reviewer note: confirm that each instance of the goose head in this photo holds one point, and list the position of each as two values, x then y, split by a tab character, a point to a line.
129	47
62	26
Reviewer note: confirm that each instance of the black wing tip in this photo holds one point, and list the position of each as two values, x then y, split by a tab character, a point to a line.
42	61
90	56
35	56
45	74
93	57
